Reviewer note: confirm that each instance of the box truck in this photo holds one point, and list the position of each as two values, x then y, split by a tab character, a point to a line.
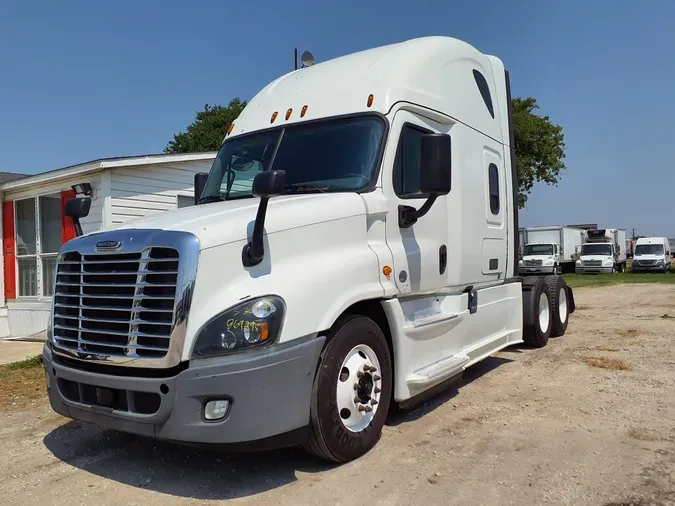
652	254
550	250
603	251
354	246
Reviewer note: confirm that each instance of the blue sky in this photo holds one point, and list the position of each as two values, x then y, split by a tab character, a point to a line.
84	80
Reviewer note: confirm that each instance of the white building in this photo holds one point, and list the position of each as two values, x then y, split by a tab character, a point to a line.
34	227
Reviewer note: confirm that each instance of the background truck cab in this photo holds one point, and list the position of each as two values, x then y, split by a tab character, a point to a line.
550	250
604	251
652	254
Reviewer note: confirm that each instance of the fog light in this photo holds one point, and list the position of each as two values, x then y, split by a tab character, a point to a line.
216	410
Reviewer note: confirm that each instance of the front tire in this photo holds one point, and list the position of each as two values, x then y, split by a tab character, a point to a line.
352	391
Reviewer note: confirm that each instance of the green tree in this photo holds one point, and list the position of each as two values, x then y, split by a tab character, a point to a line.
540	147
207	131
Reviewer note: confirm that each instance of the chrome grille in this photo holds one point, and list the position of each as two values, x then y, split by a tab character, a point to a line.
593	263
116	305
645	262
532	263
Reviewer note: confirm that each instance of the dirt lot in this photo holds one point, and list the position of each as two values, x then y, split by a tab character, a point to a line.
590	419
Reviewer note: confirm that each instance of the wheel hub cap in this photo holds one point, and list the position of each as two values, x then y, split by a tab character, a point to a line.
358	388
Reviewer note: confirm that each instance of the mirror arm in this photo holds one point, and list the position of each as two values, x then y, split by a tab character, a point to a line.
408	215
254	251
78	227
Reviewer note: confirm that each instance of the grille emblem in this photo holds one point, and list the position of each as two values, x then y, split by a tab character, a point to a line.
108	245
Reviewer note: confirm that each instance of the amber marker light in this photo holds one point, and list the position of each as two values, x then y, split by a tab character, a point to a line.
303	111
371	99
274	116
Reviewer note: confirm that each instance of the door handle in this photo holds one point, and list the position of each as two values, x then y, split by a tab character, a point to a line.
442	259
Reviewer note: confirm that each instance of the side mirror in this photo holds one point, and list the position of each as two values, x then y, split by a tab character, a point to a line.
269	184
435	176
436	164
77	208
266	185
200	184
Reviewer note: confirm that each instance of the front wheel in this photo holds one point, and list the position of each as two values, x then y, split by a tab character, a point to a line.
352	391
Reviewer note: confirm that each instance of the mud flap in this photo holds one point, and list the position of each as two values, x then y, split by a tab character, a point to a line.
570	297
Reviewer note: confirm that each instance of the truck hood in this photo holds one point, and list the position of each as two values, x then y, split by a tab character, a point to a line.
220	223
595	257
539	257
649	257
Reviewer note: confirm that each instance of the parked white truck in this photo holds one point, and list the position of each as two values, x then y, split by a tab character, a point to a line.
604	251
550	250
354	246
652	254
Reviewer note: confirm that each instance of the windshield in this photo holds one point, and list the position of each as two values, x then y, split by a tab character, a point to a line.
333	155
596	249
539	249
649	249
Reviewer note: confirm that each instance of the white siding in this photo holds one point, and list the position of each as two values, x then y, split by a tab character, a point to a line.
137	192
92	222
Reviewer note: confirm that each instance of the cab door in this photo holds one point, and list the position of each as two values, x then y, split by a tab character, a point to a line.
420	251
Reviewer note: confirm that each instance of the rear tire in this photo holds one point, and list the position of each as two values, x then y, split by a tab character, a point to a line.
536	334
346	386
557	292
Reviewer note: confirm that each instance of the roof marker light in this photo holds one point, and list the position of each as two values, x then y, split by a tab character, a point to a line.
288	114
274	116
303	111
229	130
371	98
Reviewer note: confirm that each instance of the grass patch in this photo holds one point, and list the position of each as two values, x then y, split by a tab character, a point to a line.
613	364
619	278
21	381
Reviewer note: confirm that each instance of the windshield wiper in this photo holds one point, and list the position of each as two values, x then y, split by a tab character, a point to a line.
297	186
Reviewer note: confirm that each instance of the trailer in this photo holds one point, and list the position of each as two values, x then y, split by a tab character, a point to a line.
550	250
604	251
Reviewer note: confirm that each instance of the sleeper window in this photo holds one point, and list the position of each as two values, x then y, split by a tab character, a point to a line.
493	179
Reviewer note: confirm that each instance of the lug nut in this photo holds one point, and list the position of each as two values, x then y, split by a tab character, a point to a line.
377	390
366	367
376	378
357	400
356	386
368	409
362	408
359	374
373	402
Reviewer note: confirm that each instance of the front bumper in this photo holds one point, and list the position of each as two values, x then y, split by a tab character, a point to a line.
593	270
537	269
269	394
649	268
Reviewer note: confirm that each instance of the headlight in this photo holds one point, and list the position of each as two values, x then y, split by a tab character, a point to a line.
660	261
578	262
520	262
251	324
548	261
608	263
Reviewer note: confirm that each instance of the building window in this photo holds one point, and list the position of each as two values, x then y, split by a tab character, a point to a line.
38	239
184	201
407	163
493	180
484	89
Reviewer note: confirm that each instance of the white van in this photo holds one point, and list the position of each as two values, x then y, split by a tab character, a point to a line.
652	254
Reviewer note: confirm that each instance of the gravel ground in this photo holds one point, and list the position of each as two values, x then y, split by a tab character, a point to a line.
586	420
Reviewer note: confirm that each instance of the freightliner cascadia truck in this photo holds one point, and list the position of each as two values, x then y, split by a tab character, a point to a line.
354	247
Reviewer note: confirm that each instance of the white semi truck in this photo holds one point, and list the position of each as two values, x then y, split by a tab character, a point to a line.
550	250
603	251
354	246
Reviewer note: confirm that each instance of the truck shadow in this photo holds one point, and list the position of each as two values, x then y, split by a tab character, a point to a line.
203	474
173	469
446	392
